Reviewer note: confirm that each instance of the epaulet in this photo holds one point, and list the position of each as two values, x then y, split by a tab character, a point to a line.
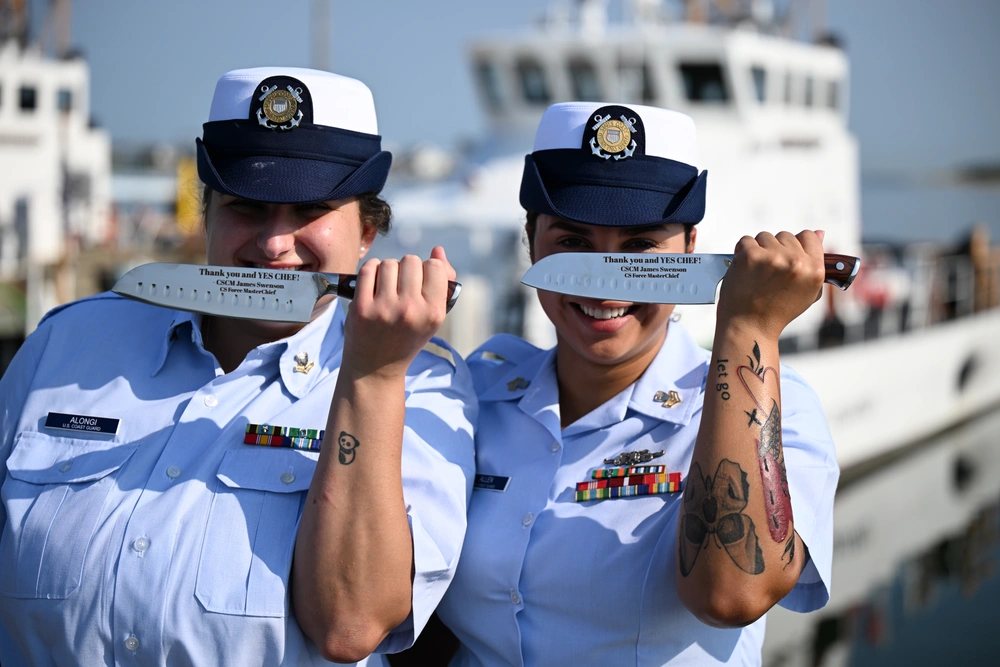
494	357
438	347
103	296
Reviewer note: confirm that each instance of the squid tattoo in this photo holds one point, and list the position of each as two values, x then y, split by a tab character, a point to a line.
770	454
713	508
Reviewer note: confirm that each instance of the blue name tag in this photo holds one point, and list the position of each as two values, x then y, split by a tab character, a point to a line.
491	482
106	425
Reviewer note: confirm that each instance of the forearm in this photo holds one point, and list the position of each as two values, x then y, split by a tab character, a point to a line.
738	553
353	554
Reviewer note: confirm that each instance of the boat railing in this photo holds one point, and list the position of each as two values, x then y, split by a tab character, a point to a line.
894	295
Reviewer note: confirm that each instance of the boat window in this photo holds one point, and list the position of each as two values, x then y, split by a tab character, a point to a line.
703	82
808	99
635	83
489	83
759	83
64	100
29	98
533	85
583	78
833	95
788	88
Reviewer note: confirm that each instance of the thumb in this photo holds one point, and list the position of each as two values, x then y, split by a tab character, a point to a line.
438	253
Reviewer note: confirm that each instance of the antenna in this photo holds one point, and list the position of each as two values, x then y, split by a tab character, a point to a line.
320	37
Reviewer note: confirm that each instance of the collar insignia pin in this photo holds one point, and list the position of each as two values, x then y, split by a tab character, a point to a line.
633	458
668	400
302	363
518	383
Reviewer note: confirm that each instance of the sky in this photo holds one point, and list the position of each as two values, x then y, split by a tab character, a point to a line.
925	93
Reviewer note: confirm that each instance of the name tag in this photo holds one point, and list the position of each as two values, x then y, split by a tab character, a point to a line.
491	482
106	425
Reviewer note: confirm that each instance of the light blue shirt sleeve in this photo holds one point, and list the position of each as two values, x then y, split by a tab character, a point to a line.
811	464
14	386
438	469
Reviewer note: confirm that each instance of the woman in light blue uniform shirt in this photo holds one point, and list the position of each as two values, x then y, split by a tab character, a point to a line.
144	523
653	576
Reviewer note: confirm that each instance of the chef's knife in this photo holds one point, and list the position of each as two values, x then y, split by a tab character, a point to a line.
650	277
241	292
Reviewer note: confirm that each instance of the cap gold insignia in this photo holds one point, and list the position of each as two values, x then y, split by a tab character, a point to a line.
518	383
613	136
280	106
302	363
668	400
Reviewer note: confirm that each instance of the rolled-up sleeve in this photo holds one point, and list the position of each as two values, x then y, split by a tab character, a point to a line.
811	464
438	468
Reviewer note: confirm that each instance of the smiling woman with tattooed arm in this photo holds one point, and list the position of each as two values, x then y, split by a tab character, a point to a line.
631	505
738	552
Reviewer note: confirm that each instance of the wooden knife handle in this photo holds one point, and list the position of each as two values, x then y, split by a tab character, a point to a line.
841	269
348	282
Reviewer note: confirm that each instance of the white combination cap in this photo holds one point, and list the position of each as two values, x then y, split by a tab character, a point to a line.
668	134
337	101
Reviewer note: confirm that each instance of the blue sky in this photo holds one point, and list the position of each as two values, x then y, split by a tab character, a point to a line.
925	92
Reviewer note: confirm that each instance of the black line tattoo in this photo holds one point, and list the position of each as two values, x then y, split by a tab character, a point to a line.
789	551
348	448
714	506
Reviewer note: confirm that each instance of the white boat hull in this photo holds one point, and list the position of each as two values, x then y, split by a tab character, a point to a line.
890	392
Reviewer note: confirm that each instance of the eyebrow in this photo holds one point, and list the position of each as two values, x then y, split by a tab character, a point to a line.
585	230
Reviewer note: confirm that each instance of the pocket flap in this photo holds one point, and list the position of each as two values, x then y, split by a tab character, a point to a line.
39	458
273	469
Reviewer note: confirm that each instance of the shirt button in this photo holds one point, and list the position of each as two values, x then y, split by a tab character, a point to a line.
211	400
514	597
141	544
287	477
132	644
173	472
66	466
555	446
527	519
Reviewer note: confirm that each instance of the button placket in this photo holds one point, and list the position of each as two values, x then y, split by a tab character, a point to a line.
132	644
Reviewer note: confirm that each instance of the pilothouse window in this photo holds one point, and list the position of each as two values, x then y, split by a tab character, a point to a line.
533	85
583	77
759	83
29	98
833	95
489	83
703	82
635	83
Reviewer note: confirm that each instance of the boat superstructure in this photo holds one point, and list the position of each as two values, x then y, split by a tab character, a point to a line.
55	176
907	352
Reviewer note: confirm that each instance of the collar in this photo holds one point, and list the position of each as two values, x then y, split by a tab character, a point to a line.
303	359
680	366
675	378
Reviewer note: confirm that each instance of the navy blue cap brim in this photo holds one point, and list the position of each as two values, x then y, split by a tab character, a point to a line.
645	191
307	165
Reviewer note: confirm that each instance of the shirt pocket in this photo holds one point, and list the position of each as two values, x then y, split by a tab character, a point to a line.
247	554
54	494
